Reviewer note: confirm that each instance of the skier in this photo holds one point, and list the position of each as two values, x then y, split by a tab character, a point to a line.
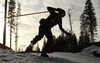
53	19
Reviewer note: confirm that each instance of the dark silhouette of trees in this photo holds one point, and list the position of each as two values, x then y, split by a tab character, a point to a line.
84	41
11	20
88	26
88	21
68	44
73	43
17	24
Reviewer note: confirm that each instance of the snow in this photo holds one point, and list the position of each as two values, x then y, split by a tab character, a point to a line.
86	56
77	58
90	50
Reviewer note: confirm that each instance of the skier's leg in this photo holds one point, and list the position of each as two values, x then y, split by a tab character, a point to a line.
36	39
48	34
39	36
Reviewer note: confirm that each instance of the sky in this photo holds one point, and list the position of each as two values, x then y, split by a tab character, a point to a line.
28	25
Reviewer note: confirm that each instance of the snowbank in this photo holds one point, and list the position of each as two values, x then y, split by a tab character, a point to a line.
4	51
92	50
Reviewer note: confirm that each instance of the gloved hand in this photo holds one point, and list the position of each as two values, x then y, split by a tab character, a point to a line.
68	34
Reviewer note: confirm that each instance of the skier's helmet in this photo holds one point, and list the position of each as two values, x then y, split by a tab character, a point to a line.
61	12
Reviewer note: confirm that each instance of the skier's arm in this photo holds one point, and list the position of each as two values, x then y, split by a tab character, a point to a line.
61	28
51	9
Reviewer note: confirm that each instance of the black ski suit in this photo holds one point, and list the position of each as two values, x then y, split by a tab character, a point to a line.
46	25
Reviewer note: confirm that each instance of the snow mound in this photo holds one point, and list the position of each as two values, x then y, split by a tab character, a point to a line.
91	50
4	51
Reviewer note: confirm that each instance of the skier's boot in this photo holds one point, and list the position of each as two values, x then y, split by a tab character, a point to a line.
44	55
29	48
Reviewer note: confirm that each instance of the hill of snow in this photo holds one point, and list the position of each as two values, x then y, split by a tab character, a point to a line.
8	56
90	50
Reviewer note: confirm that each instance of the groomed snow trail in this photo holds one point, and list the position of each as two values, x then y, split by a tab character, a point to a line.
86	56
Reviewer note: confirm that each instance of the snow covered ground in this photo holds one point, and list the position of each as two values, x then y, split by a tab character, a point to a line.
7	56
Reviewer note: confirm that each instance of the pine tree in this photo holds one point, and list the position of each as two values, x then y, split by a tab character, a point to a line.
74	43
11	20
84	41
88	21
17	23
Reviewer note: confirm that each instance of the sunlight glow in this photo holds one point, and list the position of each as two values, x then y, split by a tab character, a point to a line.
1	24
2	27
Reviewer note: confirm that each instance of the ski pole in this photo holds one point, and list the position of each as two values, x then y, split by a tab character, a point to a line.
57	41
32	13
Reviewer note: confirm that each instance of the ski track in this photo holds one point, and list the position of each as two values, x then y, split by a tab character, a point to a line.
29	58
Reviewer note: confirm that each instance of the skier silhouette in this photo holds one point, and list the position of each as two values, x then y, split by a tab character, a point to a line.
53	19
